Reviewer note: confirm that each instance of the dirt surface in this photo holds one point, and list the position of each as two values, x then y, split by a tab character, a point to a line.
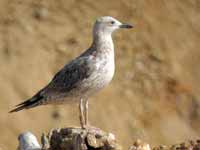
154	95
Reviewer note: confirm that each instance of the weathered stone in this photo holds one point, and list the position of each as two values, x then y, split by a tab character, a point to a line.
81	139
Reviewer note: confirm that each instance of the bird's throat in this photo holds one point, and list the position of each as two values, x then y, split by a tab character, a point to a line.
103	41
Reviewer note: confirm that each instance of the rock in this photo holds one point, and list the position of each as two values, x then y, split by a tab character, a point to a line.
139	145
75	138
27	141
45	142
82	139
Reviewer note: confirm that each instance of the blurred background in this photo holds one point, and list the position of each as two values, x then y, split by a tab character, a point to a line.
154	95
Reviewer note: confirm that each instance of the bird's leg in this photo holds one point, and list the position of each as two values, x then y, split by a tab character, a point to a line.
81	111
86	112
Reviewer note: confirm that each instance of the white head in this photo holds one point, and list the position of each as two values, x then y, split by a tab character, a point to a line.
107	25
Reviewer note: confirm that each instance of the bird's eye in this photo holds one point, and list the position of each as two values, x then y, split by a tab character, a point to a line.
112	22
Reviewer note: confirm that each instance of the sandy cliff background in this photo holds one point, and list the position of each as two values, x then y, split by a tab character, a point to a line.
154	95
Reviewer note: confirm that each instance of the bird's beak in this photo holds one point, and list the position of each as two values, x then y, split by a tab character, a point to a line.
127	26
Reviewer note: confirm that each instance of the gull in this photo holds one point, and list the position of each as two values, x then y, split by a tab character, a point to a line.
83	76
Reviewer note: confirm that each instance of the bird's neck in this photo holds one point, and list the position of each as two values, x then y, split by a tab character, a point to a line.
103	41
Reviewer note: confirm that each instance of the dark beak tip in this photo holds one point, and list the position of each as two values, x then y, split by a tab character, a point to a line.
127	26
130	26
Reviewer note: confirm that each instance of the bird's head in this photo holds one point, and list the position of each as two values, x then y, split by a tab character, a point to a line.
107	25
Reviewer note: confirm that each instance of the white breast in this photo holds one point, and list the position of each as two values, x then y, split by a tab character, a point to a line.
102	74
102	59
108	69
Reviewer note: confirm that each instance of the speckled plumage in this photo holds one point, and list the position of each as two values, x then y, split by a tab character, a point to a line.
86	74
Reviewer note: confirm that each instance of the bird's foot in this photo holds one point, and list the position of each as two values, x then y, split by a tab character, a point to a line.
86	126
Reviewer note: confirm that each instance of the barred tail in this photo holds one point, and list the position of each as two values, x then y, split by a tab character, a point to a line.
30	103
